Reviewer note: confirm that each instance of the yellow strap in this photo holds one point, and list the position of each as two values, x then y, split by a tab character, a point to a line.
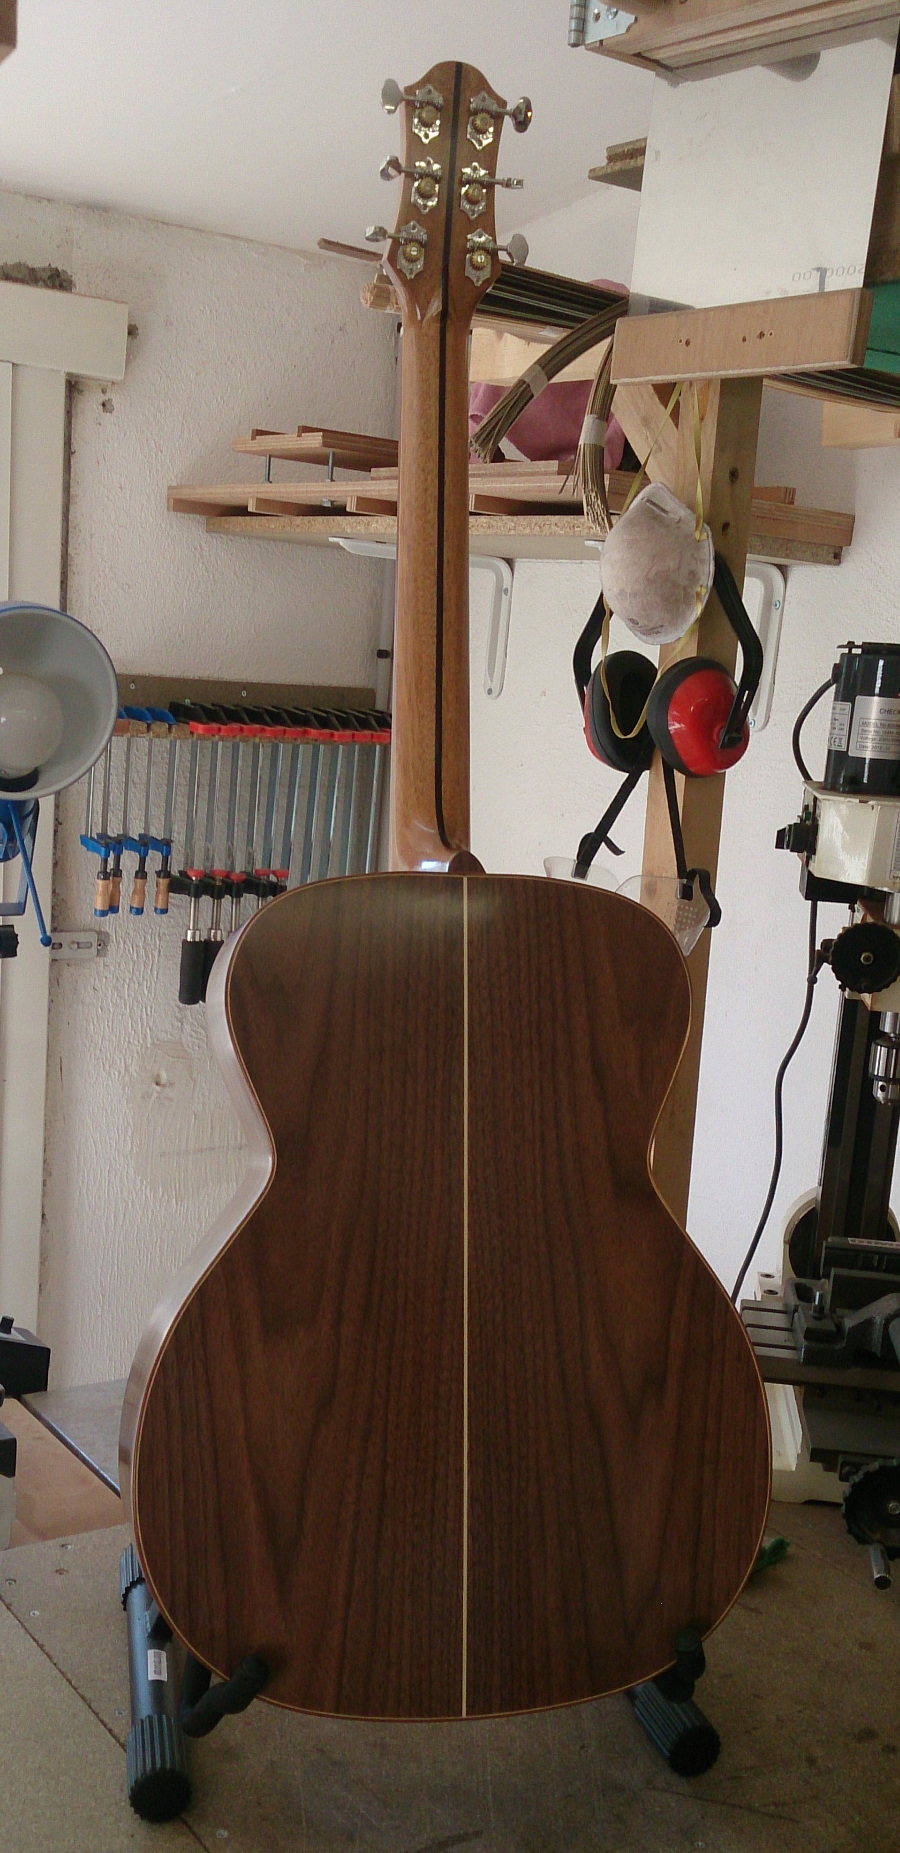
698	505
604	647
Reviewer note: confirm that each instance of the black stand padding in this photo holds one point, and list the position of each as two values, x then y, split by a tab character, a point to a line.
681	1733
159	1787
24	1361
7	1453
211	950
9	942
203	1705
665	1709
192	977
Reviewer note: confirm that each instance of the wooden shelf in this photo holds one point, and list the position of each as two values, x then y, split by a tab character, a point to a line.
513	537
683	35
520	510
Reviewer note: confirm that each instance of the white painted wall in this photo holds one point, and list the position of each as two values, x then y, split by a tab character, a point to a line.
536	789
142	1148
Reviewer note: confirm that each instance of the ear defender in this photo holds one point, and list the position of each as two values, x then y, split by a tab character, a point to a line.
688	715
629	679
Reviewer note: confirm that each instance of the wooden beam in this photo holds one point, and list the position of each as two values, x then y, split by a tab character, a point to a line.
787	334
730	425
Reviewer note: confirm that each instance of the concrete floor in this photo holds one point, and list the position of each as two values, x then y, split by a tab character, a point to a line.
802	1685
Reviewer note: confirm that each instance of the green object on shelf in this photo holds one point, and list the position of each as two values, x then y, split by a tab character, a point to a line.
773	1550
883	345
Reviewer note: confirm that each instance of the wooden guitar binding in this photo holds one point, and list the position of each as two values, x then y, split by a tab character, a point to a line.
447	1417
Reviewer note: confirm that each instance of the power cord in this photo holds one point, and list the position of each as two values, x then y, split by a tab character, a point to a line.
815	960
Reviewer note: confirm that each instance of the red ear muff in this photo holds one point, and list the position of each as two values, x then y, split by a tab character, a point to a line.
629	678
687	715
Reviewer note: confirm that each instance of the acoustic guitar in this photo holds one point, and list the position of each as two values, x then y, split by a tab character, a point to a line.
447	1417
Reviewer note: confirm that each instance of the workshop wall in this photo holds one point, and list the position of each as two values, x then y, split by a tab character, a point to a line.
142	1146
536	789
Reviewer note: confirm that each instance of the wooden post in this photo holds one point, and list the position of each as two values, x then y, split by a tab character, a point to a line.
730	425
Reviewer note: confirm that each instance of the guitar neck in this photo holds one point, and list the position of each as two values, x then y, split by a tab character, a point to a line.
442	258
430	734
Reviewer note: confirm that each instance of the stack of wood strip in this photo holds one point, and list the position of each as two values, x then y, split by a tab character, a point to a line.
535	298
537	498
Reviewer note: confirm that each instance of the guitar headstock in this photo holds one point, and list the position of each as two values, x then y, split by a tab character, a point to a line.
443	250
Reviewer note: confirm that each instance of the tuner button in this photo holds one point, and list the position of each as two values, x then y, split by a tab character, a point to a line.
390	169
391	96
521	114
517	246
376	234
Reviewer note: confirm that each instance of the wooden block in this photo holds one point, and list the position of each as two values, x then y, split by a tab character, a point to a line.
788	334
858	427
8	25
500	358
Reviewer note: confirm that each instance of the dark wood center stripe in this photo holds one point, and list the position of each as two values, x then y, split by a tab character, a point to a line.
442	461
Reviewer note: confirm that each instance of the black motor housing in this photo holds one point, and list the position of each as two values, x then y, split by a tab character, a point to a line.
864	735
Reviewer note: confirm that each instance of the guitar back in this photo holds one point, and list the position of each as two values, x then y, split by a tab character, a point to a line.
454	1420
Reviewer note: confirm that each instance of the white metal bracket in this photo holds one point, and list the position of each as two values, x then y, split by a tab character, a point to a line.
501	601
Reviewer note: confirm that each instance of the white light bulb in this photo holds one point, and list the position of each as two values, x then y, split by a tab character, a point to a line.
31	724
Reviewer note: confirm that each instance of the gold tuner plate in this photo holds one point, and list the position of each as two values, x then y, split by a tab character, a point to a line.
484	112
428	104
412	239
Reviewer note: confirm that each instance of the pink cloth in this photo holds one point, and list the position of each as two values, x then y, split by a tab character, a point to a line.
550	427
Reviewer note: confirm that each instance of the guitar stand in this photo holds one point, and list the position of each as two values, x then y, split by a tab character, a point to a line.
159	1787
665	1709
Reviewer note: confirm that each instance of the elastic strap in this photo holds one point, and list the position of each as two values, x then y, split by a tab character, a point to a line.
589	845
687	877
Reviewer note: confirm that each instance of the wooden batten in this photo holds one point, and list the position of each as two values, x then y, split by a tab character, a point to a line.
788	334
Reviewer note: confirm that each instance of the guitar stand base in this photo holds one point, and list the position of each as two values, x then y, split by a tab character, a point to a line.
665	1710
159	1786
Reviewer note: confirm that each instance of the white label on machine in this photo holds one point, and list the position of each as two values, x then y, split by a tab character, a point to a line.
875	733
839	730
895	852
157	1666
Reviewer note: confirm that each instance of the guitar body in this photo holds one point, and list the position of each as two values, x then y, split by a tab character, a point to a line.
448	1417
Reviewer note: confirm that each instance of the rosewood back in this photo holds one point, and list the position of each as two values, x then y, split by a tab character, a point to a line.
458	1422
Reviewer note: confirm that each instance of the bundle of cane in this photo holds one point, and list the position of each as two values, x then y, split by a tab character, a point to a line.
590	475
569	347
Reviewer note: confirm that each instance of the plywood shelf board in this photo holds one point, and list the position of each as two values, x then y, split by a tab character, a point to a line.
512	537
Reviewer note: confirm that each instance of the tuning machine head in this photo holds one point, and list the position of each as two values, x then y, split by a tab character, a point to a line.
484	113
411	238
427	102
473	192
425	176
480	248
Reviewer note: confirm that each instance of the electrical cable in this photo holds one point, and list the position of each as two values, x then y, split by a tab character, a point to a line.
814	965
798	725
